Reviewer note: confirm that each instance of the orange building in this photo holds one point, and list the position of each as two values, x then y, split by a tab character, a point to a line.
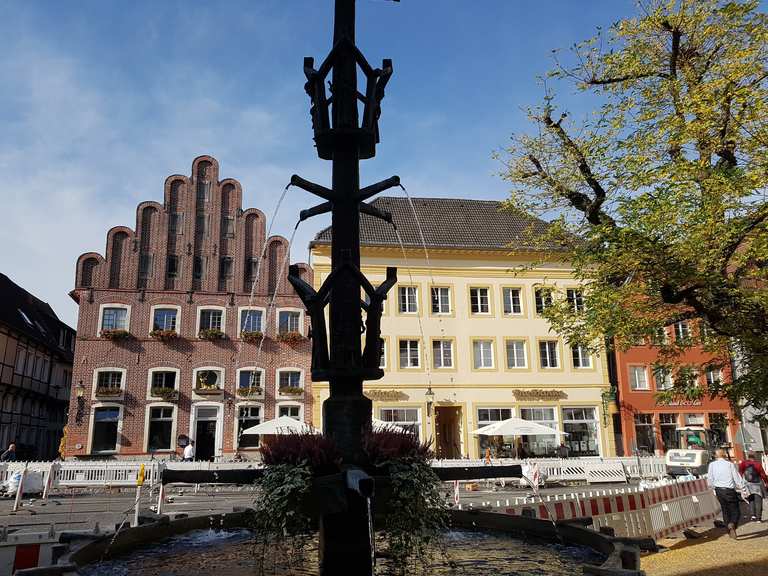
647	425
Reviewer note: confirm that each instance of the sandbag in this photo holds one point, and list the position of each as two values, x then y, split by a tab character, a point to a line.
33	483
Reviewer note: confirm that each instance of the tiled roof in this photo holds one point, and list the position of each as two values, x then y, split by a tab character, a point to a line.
447	223
30	316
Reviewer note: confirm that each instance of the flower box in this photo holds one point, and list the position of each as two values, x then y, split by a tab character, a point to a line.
108	391
164	335
291	390
253	337
250	391
290	337
208	390
116	335
165	393
211	334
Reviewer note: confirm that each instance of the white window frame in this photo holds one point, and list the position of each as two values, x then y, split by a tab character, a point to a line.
544	291
168	306
669	375
123	377
440	312
478	290
482	366
174	423
235	435
218	448
263	378
634	369
418	356
103	307
199	314
557	355
407	301
678	330
92	422
242	309
289	309
525	353
710	370
419	422
443	341
384	354
506	290
583	354
154	369
294	404
302	382
202	368
574	305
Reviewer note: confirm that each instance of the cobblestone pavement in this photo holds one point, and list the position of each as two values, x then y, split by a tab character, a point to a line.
714	554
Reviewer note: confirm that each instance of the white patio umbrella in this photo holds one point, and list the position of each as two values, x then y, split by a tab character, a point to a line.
382	426
281	425
517	427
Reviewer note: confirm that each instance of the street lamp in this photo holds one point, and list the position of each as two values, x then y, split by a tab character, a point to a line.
80	389
430	396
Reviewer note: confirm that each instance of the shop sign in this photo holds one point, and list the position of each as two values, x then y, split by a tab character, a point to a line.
527	395
681	403
386	395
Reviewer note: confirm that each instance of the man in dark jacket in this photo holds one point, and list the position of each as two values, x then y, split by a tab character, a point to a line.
10	454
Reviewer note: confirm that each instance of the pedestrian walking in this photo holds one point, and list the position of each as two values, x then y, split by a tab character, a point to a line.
189	452
562	450
724	479
752	471
10	454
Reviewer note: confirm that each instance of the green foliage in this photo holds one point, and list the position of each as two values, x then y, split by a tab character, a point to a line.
659	196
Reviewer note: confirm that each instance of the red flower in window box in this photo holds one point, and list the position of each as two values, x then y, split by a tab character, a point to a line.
211	334
290	337
250	391
116	335
164	335
252	337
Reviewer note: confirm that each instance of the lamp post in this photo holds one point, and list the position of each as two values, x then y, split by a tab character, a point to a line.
345	136
79	395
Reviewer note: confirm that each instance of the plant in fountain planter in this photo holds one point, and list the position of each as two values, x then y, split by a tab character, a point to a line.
291	391
211	334
291	337
164	335
252	337
116	335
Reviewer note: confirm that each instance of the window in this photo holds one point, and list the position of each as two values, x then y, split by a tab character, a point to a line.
407	418
682	331
482	354
694	419
540	444
442	354
145	265
111	379
659	337
516	354
201	223
479	301
575	299
718	423
512	301
203	191
248	416
164	379
290	411
21	359
210	319
198	267
252	267
105	423
30	363
581	425
409	354
206	379
225	268
638	378
581	357
668	426
383	357
172	269
407	300
548	354
176	223
662	378
250	379
441	300
160	428
251	321
289	379
164	319
714	376
645	436
543	298
44	368
288	321
228	226
503	449
114	319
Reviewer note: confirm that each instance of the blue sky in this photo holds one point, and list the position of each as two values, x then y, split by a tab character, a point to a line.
102	100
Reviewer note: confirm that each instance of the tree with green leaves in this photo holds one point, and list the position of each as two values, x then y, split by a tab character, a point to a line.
659	195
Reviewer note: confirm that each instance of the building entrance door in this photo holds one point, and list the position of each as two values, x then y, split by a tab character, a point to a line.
448	431
205	433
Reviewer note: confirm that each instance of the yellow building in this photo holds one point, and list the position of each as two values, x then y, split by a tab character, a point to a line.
464	344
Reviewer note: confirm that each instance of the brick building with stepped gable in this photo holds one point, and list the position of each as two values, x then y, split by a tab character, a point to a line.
168	337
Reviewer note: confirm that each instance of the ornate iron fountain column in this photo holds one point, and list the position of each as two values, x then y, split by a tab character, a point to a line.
344	138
